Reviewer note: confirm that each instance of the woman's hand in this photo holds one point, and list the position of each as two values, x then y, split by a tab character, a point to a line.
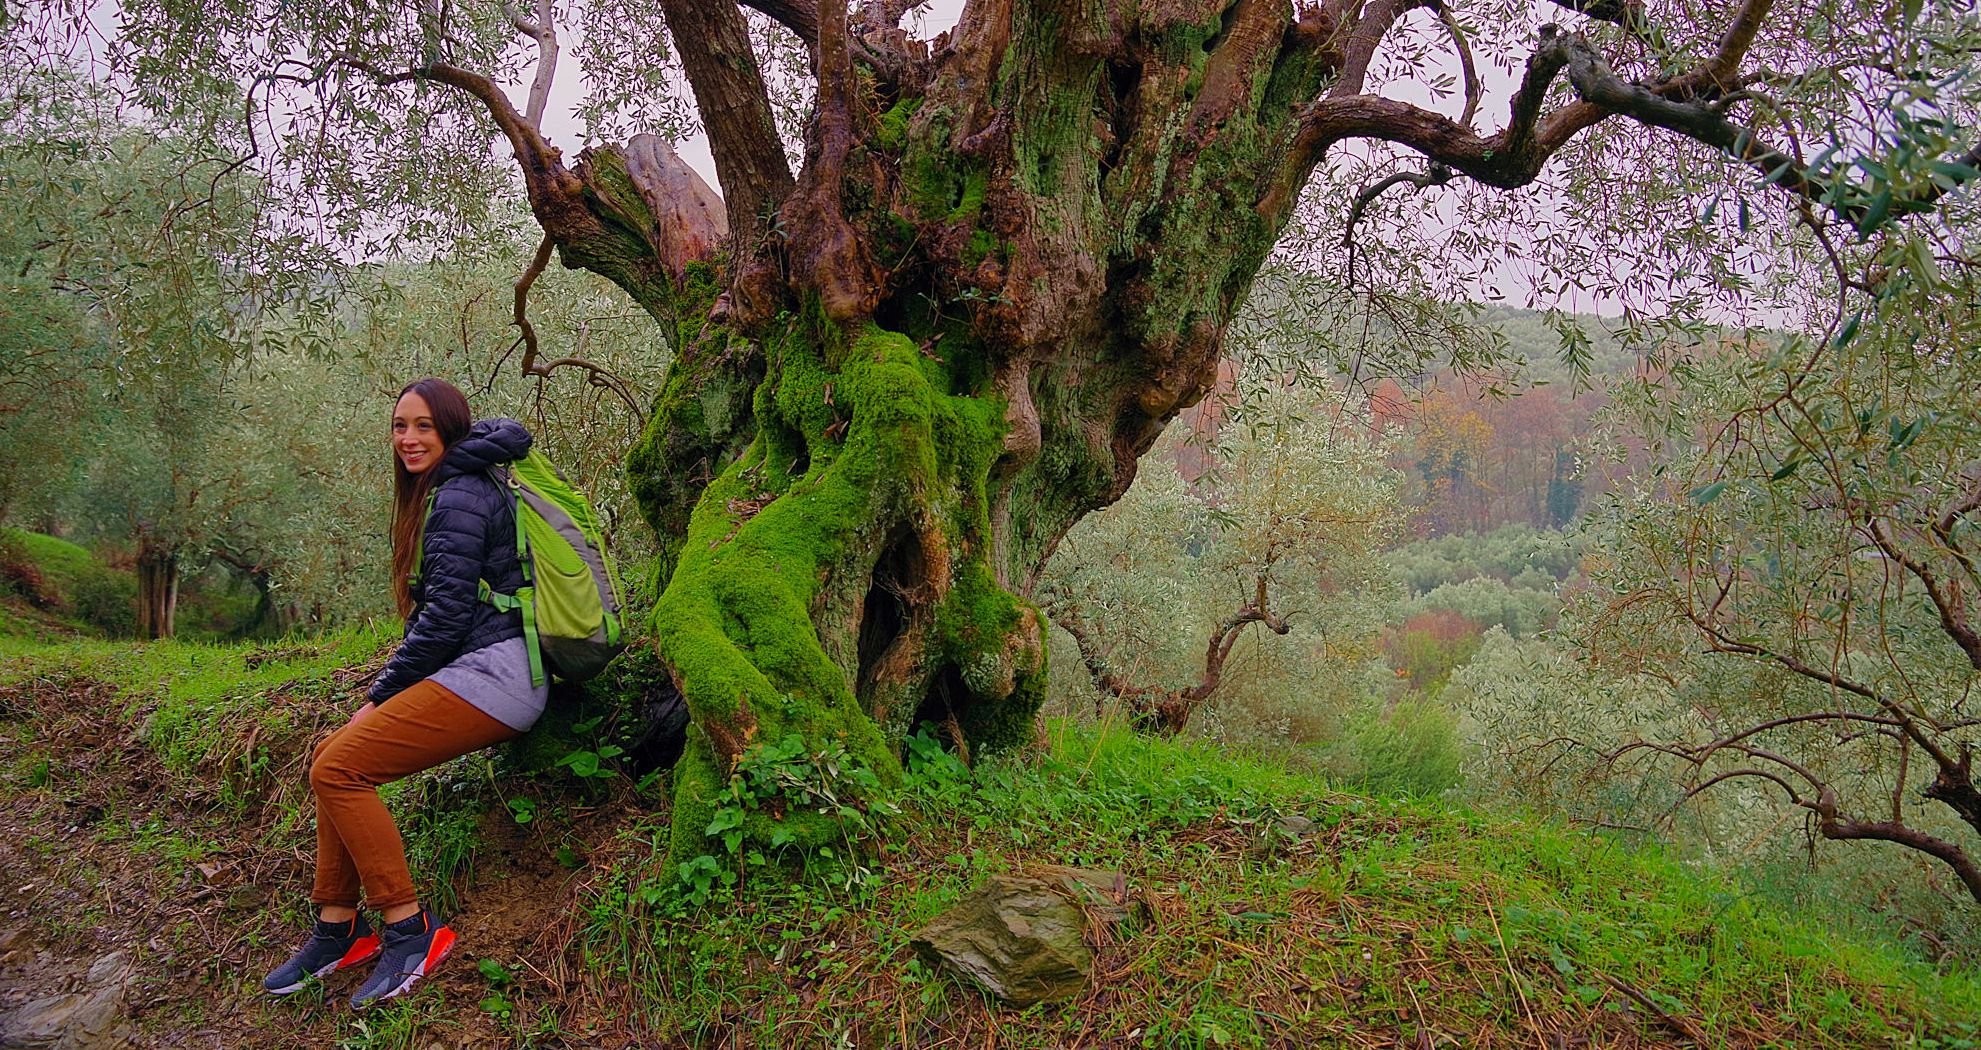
359	715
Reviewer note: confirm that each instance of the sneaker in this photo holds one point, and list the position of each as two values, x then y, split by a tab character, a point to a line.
332	946
413	947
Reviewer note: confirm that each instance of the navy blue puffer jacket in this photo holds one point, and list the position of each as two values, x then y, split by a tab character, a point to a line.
470	537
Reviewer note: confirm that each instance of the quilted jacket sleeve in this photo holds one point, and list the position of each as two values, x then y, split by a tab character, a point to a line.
453	550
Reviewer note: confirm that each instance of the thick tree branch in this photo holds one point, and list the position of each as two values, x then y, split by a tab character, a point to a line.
801	17
1834	826
713	40
825	254
1593	80
543	168
1720	73
1364	37
1515	155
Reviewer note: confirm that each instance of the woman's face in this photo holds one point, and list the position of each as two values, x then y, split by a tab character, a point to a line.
414	439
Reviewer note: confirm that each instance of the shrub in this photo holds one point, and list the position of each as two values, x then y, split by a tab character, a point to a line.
59	576
1428	646
1410	750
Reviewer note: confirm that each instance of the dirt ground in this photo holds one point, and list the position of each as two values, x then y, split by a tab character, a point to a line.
106	851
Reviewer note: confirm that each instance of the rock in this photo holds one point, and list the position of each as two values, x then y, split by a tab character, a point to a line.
1023	937
1293	826
92	1018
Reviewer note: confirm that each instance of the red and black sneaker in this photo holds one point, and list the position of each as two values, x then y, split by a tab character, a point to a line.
332	946
413	947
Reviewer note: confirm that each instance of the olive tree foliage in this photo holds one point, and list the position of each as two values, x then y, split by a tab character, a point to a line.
312	416
135	272
1007	257
183	385
1792	579
1278	544
1824	528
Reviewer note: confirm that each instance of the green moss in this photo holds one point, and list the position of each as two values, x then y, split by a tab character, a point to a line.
981	245
698	783
736	618
701	419
891	131
970	197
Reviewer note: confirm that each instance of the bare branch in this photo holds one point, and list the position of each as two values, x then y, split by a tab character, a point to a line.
1474	88
1946	595
598	375
1734	774
1437	175
543	30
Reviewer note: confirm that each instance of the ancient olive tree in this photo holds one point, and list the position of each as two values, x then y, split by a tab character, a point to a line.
1004	260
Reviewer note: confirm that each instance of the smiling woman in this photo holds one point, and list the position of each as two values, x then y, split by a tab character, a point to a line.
415	438
460	682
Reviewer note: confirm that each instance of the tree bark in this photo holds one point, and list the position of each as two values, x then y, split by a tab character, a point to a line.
158	591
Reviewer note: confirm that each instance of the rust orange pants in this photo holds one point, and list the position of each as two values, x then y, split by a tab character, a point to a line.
356	841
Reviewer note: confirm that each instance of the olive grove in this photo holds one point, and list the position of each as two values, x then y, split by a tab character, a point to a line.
913	351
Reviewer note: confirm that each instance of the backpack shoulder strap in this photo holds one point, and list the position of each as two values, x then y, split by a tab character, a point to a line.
524	600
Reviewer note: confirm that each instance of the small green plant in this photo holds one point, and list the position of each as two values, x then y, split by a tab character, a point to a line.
591	763
778	779
496	1003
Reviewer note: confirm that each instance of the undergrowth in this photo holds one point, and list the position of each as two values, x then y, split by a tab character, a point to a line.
1276	909
1281	910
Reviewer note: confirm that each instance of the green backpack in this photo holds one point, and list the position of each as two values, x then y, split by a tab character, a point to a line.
570	595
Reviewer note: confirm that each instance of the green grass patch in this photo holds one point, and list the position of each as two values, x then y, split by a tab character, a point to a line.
1379	921
199	700
65	580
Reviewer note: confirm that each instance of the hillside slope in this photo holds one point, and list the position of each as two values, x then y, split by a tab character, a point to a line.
152	802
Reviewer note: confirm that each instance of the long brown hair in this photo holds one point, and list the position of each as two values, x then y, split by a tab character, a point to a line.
451	419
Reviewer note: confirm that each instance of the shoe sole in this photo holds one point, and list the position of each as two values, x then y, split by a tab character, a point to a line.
443	943
363	950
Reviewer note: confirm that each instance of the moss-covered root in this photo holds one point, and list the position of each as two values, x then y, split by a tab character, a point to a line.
833	582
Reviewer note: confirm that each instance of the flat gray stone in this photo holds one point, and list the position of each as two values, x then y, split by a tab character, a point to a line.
92	1018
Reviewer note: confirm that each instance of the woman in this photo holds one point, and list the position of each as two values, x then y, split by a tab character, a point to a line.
459	682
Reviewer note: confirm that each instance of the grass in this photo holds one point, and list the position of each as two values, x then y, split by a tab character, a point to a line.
67	581
1380	922
1390	922
201	702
